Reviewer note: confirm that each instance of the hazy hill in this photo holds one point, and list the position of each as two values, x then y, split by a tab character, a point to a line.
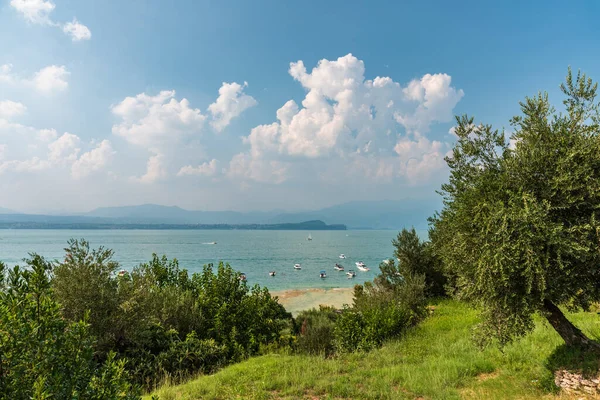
386	214
6	211
152	213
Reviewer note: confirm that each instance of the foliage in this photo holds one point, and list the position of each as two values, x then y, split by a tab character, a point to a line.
381	311
415	257
433	360
42	356
520	224
315	331
164	321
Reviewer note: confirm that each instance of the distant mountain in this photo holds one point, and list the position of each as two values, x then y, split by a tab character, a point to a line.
6	211
152	213
385	214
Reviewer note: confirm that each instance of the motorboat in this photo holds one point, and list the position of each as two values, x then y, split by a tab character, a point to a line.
309	237
297	266
272	273
323	274
122	273
351	273
242	277
338	267
342	256
361	266
386	262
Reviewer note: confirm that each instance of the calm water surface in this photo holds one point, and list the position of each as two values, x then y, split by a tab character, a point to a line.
253	252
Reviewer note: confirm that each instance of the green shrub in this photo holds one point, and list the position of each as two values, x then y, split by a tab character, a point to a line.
158	315
43	356
315	331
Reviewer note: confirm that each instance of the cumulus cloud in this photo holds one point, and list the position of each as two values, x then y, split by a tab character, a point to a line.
77	31
92	160
51	78
38	12
34	11
153	121
163	125
5	73
375	126
10	109
232	101
64	149
155	169
25	149
208	168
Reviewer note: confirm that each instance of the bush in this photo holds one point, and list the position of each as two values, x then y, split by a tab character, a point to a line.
158	316
42	355
380	312
416	257
315	331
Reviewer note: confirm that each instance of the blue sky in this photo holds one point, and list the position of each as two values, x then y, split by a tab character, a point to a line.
109	102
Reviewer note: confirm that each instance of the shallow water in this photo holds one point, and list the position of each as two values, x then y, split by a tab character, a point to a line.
252	252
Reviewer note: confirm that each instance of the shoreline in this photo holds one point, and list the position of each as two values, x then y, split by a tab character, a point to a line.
296	300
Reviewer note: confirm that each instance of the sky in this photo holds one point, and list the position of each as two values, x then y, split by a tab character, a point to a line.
266	104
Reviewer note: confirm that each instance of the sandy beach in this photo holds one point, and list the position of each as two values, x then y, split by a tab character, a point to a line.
296	300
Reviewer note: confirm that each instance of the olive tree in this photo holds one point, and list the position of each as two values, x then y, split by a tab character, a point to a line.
520	223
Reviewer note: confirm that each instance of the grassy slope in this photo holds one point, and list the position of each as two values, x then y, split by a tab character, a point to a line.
436	360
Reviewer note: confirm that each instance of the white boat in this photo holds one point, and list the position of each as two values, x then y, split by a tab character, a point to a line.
122	273
309	237
351	274
242	277
387	262
361	266
342	256
272	273
338	267
323	274
297	266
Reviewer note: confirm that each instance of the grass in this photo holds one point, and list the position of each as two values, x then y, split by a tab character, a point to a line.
436	360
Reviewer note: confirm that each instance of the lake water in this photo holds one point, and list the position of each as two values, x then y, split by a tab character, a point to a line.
252	252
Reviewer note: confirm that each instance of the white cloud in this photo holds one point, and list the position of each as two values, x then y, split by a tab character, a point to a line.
376	127
92	160
155	169
156	121
65	149
266	171
208	168
34	11
10	109
38	12
232	101
5	73
77	31
51	78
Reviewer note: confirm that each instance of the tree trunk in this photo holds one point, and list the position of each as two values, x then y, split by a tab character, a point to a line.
569	332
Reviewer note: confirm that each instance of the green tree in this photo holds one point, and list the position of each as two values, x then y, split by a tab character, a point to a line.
42	356
415	257
519	226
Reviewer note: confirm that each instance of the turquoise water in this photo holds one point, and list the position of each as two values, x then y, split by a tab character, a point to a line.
253	252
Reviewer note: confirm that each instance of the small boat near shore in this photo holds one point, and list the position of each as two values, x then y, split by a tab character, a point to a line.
361	266
122	273
338	267
297	266
342	256
323	274
271	273
242	277
351	274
